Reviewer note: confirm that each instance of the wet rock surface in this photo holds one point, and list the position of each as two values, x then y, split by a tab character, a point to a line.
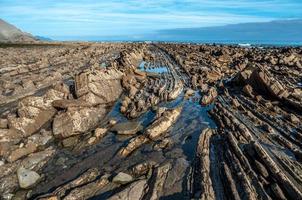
127	128
150	121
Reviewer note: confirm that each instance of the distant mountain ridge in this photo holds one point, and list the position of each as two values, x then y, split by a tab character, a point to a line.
42	38
284	31
9	33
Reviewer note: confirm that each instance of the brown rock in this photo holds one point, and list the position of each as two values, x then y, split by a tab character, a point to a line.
261	169
203	152
161	176
3	123
52	95
10	136
258	98
210	97
30	126
133	90
42	138
133	144
243	76
87	177
112	122
71	141
64	104
262	83
204	87
248	90
99	86
30	107
294	119
123	109
162	144
235	103
62	87
162	124
189	92
142	168
77	121
87	191
178	87
136	190
127	128
213	76
21	152
278	191
91	140
100	132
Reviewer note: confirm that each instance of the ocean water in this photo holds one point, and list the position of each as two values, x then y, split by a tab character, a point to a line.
193	40
157	69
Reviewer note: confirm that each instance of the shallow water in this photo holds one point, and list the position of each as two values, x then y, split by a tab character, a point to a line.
184	135
144	66
192	121
185	132
103	65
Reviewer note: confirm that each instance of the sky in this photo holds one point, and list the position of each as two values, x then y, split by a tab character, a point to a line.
80	18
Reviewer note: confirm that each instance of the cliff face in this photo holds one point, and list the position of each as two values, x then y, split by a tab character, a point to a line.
9	33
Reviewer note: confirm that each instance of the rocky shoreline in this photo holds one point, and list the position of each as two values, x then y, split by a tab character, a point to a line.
150	121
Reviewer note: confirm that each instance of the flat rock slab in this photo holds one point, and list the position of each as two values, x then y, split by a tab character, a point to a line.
77	121
122	178
66	103
135	191
127	128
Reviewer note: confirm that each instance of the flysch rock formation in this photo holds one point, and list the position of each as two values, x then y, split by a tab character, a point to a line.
150	121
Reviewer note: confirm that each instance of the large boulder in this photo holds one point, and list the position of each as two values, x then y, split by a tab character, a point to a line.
76	121
29	126
93	88
260	82
131	59
31	106
34	112
264	85
99	86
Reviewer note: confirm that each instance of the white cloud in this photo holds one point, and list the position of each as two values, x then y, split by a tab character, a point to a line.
136	16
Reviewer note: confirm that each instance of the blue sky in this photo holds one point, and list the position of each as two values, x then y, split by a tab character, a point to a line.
80	18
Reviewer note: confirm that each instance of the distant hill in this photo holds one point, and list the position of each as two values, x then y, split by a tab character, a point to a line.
285	31
43	38
9	33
